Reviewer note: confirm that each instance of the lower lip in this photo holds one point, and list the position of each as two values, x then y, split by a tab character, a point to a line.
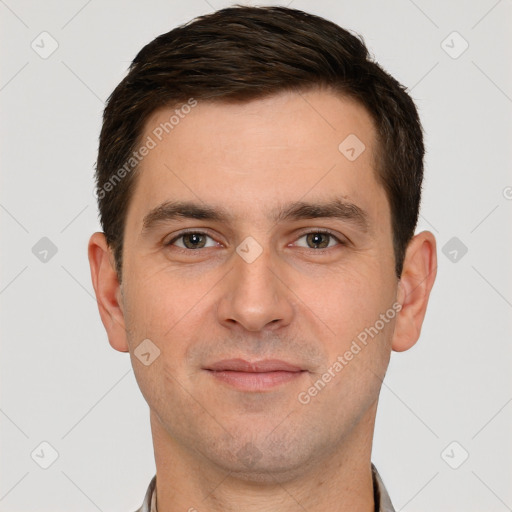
255	381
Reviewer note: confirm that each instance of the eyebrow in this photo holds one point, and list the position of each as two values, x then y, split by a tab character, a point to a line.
298	210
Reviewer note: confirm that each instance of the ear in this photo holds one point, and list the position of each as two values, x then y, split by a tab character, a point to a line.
418	276
107	290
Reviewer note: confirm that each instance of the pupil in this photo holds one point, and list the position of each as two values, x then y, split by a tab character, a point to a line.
193	240
316	239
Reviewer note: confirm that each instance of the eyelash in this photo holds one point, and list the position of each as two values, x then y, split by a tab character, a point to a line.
315	231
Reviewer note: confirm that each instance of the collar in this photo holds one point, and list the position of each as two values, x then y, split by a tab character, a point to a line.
381	496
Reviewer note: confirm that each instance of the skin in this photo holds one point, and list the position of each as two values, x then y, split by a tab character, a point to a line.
296	302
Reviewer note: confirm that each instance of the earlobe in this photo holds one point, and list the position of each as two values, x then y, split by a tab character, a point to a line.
416	282
107	290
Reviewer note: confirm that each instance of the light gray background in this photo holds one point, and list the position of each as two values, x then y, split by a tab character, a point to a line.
63	384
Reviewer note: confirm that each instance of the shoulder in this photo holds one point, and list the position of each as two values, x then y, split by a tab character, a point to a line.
146	504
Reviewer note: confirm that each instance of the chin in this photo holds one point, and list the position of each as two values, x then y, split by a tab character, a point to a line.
264	459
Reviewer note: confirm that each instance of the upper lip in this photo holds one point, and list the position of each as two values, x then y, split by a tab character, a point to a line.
264	365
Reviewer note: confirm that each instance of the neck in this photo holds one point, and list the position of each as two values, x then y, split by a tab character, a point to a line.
340	480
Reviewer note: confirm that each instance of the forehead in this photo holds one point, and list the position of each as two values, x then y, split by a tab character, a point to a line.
251	156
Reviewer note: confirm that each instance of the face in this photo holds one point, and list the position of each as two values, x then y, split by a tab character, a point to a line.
279	253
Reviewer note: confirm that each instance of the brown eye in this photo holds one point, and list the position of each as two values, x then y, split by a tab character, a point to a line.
319	240
192	240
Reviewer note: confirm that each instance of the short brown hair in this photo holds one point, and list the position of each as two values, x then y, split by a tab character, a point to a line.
243	53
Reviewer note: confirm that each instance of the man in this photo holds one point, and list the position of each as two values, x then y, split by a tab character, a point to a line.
259	180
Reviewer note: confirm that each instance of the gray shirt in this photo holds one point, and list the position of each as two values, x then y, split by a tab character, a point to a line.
381	497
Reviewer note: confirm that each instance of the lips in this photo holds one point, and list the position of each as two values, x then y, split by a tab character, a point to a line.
257	376
263	366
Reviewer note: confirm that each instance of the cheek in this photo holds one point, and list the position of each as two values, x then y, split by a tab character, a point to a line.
159	299
154	314
172	310
347	301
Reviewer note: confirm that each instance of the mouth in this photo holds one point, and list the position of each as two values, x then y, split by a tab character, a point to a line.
254	376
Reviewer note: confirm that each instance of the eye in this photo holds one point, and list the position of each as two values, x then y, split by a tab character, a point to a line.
319	240
192	240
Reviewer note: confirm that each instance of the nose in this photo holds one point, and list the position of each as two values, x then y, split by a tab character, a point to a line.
255	295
